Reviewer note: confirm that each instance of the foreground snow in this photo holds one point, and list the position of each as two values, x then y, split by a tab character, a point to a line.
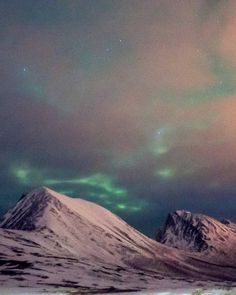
211	291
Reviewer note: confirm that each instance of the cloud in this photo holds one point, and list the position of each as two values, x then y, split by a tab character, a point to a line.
128	96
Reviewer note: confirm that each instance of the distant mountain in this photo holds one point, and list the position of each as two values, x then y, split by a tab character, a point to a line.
199	233
50	240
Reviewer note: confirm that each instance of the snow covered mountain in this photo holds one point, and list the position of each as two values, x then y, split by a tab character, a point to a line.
50	240
78	227
199	233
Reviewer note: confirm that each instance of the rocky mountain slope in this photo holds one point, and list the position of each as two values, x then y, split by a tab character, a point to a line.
199	233
80	228
50	240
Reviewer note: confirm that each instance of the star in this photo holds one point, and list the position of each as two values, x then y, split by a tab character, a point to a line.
159	132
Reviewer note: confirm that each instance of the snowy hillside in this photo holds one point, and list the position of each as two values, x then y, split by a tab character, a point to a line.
50	240
79	228
199	233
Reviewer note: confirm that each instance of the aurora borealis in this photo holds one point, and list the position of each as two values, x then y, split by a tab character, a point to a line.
128	103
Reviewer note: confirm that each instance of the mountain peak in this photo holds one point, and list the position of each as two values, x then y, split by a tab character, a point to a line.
181	211
184	214
41	189
181	230
76	226
29	210
194	232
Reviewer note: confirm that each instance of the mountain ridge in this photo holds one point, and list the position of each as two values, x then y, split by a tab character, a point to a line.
48	238
75	224
196	232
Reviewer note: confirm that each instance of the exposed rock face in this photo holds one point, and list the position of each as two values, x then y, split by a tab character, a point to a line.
196	233
229	224
28	211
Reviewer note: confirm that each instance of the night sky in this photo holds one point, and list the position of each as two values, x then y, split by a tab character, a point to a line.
128	103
